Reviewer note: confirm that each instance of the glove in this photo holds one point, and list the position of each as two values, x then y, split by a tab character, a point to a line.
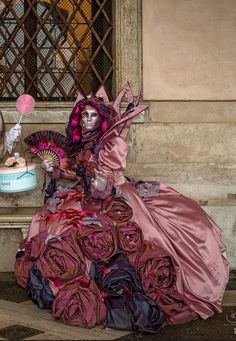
12	136
47	165
100	181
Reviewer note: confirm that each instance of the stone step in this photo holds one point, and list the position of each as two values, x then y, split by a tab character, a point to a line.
29	315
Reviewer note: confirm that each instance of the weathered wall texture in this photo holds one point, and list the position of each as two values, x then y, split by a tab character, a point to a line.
189	49
189	79
169	144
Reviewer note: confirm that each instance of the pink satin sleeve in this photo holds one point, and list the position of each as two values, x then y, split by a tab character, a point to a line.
112	159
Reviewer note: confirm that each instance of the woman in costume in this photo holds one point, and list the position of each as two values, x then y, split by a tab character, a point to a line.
170	251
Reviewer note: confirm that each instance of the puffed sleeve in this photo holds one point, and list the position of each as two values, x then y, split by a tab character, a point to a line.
113	155
112	162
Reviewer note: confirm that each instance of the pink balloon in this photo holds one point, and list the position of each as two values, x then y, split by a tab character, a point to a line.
25	104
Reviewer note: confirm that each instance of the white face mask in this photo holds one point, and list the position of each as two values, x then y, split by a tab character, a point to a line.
89	117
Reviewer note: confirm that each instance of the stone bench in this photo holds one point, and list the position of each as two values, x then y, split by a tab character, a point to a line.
16	218
14	225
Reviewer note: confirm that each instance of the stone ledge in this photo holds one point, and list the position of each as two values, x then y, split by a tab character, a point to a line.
18	225
16	218
52	113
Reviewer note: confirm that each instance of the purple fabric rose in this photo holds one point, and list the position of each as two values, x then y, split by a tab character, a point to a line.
38	289
116	277
134	312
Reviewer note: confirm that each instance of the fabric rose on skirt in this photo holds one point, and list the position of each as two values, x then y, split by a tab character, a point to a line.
98	242
38	289
116	277
118	210
79	303
130	237
36	245
88	203
22	267
134	312
62	258
158	279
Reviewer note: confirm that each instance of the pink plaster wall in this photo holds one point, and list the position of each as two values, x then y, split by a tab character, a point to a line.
189	49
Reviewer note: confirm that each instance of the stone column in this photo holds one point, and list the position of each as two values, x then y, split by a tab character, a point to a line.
128	44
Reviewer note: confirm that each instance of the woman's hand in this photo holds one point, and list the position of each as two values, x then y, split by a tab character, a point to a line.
12	136
47	165
100	181
16	132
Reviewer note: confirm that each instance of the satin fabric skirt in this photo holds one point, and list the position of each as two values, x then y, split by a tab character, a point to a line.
179	226
182	228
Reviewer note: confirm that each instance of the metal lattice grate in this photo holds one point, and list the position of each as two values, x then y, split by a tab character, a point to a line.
53	48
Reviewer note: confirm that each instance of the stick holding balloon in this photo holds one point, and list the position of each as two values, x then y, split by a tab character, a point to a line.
25	105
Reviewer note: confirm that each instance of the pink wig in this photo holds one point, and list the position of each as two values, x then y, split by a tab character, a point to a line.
74	125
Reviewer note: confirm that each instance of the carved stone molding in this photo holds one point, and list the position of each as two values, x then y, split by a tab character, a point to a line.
16	225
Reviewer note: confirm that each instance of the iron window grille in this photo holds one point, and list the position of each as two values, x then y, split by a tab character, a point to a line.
50	49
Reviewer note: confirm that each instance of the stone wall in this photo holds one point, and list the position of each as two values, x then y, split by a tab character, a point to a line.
167	143
189	79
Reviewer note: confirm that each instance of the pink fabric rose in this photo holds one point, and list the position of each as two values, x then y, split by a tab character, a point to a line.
130	237
79	303
20	161
118	210
98	243
62	258
88	203
10	161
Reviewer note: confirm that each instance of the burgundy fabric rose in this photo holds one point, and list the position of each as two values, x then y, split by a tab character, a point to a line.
62	258
21	269
130	237
36	245
79	303
118	210
158	279
88	203
98	242
23	244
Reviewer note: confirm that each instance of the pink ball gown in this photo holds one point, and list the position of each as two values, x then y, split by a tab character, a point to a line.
175	248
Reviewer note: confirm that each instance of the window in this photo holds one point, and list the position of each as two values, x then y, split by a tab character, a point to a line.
50	49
